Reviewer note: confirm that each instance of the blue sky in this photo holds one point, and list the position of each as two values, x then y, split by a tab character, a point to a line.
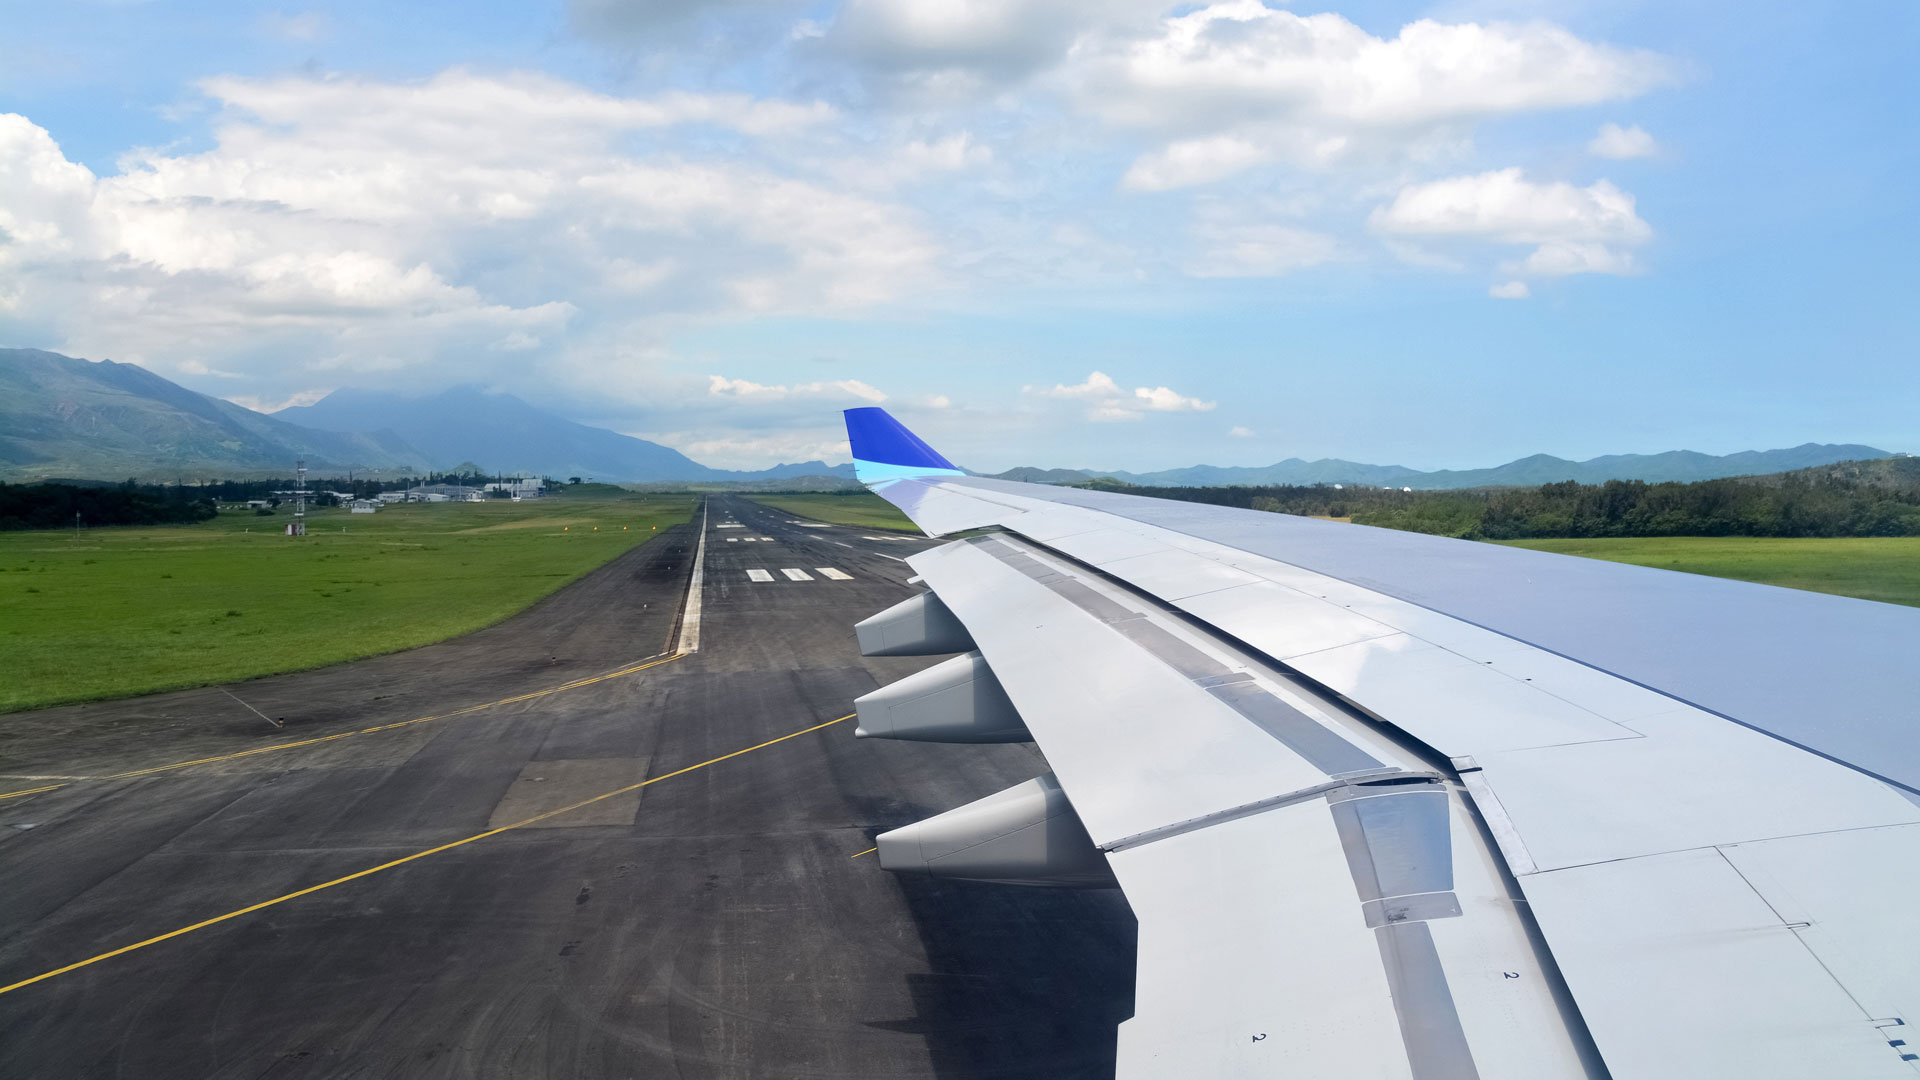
1113	234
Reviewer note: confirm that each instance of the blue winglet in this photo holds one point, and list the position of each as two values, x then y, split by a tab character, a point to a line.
883	449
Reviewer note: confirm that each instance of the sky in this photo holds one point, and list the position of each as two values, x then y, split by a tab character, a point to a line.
1080	233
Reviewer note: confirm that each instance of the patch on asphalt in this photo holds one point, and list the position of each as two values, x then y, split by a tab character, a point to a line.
550	785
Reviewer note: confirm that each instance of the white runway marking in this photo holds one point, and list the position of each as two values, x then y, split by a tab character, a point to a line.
794	573
831	574
768	539
733	539
759	575
690	615
729	526
884	555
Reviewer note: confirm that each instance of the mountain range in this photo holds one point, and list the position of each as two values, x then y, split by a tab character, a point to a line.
1683	465
80	419
71	418
501	433
101	420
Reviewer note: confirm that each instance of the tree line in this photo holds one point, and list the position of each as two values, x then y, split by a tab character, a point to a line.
1881	499
62	506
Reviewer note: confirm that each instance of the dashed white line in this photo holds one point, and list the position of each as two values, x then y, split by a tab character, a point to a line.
794	573
759	575
832	574
733	539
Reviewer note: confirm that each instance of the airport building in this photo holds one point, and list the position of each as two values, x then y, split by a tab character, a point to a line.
519	487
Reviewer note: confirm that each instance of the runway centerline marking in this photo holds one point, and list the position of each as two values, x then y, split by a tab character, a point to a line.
124	949
574	685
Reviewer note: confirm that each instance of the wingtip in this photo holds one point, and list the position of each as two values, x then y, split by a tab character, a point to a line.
884	449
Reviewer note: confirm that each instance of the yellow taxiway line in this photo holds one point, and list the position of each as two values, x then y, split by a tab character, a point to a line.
575	685
124	949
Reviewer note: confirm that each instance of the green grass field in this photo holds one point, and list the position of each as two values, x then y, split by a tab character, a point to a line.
862	509
1872	568
124	611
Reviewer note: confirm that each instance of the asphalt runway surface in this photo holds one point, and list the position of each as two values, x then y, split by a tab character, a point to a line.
715	922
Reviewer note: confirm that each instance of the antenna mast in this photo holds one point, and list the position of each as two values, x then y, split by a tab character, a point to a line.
299	498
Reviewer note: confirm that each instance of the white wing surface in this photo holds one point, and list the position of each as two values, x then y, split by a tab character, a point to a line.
1390	805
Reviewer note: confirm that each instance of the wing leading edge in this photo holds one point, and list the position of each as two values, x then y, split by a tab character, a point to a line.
1277	762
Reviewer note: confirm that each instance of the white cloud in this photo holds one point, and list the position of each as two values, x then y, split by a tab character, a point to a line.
1560	258
954	152
1512	290
195	367
274	405
1193	161
1234	83
1619	143
342	224
1107	400
1098	385
1577	229
1161	399
1239	60
721	386
1237	432
903	162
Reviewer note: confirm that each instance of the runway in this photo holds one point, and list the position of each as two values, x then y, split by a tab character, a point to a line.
712	922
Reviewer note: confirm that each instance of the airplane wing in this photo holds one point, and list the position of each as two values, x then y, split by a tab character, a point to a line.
1396	805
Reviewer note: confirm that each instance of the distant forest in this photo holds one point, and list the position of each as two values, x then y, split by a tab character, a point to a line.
1857	498
61	506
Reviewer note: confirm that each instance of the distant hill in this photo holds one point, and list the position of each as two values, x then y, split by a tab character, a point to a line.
1684	465
73	418
86	420
505	434
1899	473
500	432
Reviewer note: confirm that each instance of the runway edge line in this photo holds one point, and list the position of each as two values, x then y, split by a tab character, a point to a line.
690	614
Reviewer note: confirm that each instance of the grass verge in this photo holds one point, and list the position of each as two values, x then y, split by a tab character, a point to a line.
862	509
1872	568
118	612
